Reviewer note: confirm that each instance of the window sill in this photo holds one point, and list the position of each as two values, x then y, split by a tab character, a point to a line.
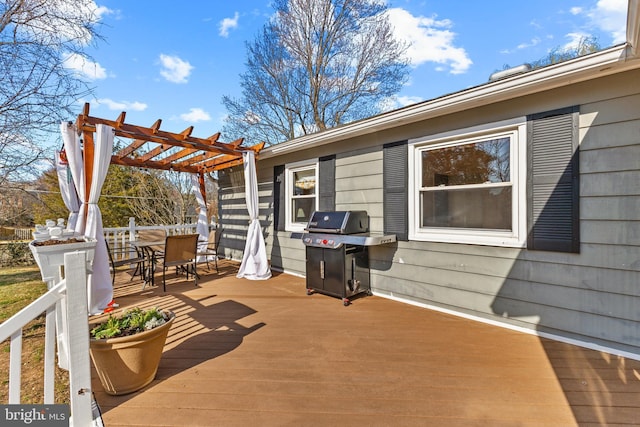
470	237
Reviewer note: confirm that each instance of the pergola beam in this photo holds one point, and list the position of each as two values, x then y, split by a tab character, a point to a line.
195	155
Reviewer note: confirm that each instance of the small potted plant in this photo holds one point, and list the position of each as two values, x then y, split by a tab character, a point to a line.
126	348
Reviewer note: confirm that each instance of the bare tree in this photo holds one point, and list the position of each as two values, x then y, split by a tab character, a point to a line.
584	46
317	64
162	198
38	38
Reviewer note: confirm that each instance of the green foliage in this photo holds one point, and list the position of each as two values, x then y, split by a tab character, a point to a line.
120	184
151	197
18	251
129	323
50	204
15	253
18	288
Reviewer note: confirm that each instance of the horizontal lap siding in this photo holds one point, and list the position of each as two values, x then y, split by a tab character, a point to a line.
593	295
232	212
234	217
283	252
288	254
610	220
359	185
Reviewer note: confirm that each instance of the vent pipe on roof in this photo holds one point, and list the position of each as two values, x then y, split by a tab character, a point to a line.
510	72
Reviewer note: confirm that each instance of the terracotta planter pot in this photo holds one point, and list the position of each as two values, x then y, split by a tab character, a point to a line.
127	364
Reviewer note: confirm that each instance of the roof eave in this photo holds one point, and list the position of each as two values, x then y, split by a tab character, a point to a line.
599	64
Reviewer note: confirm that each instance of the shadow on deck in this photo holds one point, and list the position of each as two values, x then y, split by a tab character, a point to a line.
264	353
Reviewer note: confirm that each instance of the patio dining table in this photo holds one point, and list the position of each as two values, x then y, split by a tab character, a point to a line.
150	250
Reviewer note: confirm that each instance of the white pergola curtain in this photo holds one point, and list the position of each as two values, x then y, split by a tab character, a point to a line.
73	150
67	189
100	292
202	227
255	265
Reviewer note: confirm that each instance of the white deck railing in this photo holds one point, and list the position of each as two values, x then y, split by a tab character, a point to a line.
68	299
118	238
70	293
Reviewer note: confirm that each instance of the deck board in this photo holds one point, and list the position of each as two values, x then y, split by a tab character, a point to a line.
264	353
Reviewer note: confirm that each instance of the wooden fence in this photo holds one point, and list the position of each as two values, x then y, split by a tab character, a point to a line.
10	233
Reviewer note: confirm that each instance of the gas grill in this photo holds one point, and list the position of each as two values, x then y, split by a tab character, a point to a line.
337	251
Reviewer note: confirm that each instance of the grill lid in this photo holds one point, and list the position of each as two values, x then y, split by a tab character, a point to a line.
338	222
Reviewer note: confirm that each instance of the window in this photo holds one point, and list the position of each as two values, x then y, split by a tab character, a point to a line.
469	186
302	193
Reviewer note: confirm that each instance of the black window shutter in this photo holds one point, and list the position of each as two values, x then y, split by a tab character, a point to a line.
553	181
327	191
395	189
279	192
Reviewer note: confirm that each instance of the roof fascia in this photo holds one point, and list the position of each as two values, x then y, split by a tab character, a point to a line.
588	67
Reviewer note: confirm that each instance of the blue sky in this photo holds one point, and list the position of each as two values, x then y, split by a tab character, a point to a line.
174	61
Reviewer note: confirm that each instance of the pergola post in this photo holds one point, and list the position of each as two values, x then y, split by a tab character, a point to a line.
151	148
88	149
203	190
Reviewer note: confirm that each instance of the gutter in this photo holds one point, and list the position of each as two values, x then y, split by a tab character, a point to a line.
599	64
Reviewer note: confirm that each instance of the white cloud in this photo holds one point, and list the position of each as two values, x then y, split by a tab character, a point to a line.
409	100
611	16
195	115
394	102
122	105
252	118
60	21
534	41
574	40
430	40
175	69
228	24
576	10
102	11
84	67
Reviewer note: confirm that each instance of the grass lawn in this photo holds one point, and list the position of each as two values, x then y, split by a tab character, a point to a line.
19	286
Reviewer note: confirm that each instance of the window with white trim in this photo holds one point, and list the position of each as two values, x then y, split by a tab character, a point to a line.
469	186
302	193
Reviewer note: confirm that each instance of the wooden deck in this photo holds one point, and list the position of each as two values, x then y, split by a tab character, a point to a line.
263	353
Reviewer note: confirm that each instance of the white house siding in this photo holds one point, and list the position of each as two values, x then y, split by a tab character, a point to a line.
593	296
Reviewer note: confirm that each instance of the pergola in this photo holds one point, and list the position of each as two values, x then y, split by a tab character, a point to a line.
153	148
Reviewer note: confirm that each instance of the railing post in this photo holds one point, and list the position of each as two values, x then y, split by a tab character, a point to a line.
75	266
132	229
61	325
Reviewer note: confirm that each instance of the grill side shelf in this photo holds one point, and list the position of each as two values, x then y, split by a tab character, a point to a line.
361	239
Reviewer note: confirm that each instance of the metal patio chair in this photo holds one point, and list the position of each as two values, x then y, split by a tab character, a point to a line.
119	257
210	249
180	252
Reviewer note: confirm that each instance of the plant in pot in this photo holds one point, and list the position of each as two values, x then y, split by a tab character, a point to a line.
126	348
